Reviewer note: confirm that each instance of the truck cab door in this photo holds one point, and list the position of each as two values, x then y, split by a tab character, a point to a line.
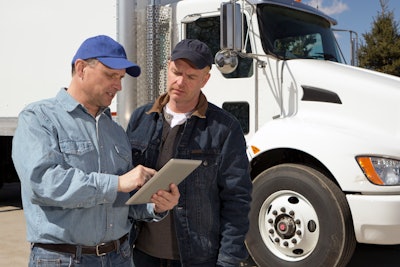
234	92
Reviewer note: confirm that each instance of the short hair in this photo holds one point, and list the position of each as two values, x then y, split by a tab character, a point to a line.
89	61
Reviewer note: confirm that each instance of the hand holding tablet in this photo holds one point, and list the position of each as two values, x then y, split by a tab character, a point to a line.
174	171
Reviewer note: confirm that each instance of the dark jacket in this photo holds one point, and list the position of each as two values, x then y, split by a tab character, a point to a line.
211	218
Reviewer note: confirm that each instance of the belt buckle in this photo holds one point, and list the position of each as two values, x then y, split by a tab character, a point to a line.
97	250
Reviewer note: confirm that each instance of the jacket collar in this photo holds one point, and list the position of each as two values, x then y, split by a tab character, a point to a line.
162	100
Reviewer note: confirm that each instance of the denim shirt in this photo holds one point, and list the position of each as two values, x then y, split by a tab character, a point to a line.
68	163
211	218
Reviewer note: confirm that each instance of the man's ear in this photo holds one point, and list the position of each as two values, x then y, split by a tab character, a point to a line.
205	80
80	67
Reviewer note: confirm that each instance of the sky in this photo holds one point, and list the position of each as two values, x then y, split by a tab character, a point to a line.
355	15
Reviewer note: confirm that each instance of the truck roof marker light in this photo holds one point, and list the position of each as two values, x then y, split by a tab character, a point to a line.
254	149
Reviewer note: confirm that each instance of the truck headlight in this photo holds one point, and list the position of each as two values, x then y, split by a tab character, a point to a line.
380	171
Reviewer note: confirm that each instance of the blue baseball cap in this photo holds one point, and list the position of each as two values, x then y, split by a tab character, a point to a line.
195	51
107	51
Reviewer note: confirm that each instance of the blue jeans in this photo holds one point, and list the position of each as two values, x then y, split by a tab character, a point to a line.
45	258
142	259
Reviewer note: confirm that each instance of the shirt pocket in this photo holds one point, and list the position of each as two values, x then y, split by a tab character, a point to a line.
123	152
120	160
80	154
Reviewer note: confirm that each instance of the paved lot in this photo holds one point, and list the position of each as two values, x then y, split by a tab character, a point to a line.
14	249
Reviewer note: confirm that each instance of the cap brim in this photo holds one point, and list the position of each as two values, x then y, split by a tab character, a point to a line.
121	63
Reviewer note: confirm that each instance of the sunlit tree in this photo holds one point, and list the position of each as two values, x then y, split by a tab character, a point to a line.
381	50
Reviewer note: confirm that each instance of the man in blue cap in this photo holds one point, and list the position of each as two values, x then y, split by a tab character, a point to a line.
208	226
75	167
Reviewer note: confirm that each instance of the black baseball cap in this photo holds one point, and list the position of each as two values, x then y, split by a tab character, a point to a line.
197	52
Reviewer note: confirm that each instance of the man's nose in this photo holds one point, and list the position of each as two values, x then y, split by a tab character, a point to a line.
180	80
118	85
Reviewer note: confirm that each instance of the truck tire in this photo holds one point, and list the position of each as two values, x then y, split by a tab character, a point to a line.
298	218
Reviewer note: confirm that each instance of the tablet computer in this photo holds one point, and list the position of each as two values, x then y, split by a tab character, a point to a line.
174	171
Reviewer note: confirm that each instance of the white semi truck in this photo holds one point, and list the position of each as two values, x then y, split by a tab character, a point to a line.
323	142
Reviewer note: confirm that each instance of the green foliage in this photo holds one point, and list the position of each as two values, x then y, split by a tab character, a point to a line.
298	46
381	51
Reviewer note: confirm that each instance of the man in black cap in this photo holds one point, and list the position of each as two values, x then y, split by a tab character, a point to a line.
209	224
75	167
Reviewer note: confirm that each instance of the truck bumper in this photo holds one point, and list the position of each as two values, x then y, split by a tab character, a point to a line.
376	219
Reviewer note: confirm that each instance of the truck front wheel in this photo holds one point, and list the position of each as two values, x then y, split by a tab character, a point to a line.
298	218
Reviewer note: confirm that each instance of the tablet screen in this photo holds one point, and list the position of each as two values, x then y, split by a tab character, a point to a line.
174	171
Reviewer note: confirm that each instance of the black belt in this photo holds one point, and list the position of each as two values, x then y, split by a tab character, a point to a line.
99	250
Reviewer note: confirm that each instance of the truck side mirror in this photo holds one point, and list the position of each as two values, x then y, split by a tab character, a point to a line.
226	59
231	27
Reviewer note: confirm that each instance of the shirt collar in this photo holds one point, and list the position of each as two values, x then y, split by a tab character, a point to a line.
162	100
70	104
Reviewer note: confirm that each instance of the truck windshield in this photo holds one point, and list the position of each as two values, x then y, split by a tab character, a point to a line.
291	34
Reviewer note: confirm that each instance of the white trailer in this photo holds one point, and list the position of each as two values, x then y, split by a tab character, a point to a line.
322	135
38	41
